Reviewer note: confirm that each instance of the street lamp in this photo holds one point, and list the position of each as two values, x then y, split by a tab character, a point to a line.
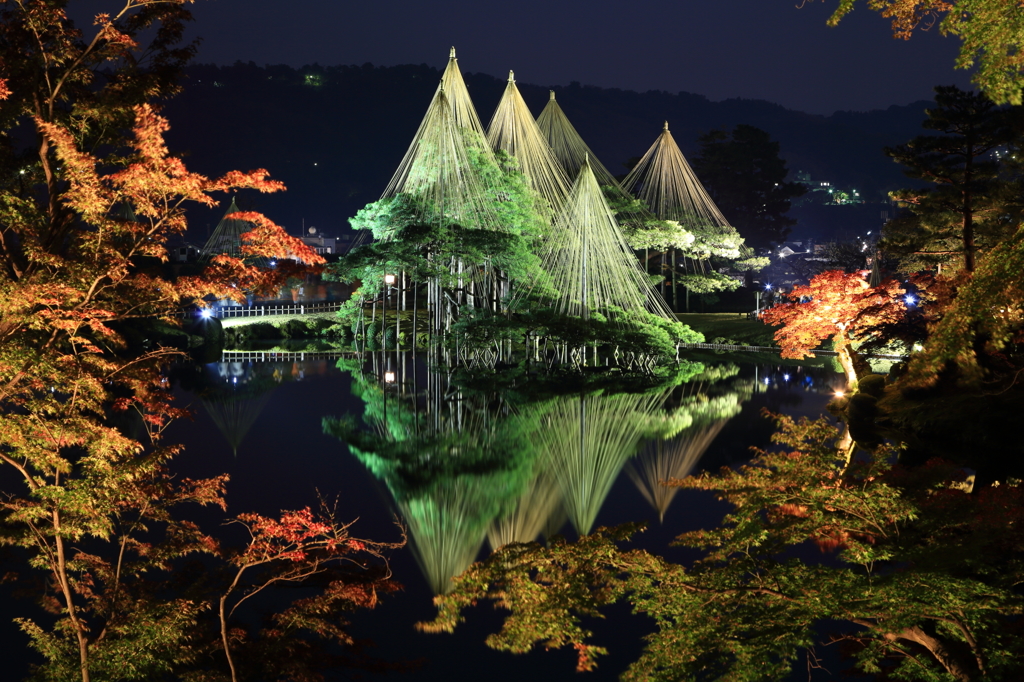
388	281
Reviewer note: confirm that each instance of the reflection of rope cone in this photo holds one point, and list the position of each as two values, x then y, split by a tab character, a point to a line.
675	458
530	515
234	416
447	530
586	441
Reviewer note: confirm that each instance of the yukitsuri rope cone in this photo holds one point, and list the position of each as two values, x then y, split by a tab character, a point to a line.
569	148
439	176
227	239
437	171
513	129
590	265
665	182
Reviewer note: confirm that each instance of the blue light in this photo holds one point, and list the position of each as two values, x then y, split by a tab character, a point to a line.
910	299
767	381
767	287
205	313
785	377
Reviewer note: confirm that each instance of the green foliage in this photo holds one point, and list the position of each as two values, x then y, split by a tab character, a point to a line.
638	332
426	252
748	608
973	204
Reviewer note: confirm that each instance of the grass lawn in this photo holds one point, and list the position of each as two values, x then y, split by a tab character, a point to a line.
735	327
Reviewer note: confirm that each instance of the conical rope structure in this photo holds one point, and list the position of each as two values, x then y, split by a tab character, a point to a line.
590	265
513	129
663	460
586	440
665	182
227	239
438	173
567	145
458	96
234	415
531	513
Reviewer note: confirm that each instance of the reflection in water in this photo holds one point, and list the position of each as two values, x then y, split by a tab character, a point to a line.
586	440
235	393
469	456
709	400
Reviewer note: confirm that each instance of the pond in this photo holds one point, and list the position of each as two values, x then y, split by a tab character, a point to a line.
542	456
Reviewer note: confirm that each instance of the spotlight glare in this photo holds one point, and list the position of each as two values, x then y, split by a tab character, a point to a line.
389	377
205	313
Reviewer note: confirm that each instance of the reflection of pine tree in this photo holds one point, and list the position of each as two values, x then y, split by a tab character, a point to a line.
663	460
234	415
234	395
447	528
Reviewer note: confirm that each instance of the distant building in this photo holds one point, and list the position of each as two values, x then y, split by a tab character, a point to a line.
183	253
326	246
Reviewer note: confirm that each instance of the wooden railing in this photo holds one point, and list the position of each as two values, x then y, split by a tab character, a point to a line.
236	311
282	356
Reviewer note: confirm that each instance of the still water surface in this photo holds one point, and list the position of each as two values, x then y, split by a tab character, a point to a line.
581	460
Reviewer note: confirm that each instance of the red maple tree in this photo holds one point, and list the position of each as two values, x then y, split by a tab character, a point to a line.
836	306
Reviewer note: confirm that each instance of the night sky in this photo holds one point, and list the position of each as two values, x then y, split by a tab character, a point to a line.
755	49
